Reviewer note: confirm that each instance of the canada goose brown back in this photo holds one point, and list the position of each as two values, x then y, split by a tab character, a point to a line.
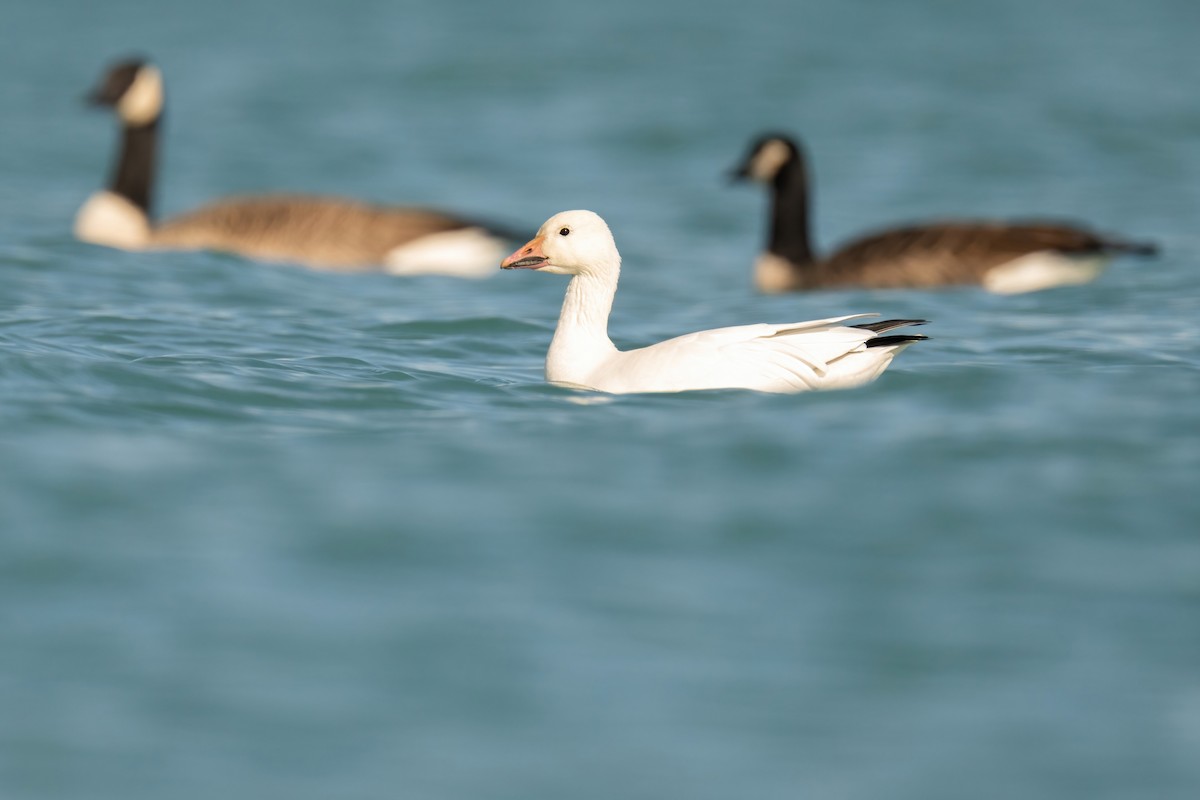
321	232
950	253
329	233
1003	257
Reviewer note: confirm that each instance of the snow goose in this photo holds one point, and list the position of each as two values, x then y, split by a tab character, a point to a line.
793	357
1007	258
322	232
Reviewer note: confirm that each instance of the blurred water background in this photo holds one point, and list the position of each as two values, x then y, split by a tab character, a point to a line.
267	532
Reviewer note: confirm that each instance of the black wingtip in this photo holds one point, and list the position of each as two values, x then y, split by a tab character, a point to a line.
889	324
888	341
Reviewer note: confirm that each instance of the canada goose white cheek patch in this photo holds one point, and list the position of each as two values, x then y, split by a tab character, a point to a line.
769	159
142	102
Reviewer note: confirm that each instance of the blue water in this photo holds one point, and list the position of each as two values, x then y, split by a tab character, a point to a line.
267	532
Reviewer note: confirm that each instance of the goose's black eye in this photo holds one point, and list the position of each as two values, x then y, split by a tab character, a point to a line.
563	231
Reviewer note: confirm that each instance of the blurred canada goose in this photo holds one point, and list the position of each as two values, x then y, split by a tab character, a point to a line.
792	357
322	232
1006	258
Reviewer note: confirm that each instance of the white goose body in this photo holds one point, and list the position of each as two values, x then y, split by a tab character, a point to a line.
789	357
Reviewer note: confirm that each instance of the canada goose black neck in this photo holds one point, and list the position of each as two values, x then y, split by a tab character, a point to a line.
789	235
133	90
133	177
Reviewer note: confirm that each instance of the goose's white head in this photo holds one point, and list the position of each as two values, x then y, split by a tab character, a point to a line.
134	88
569	243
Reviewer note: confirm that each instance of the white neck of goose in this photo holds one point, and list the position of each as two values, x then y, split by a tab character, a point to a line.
581	338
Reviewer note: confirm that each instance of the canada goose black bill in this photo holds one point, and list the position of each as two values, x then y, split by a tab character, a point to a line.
1004	257
322	232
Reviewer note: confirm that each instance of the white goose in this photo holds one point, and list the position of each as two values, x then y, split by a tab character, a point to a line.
793	357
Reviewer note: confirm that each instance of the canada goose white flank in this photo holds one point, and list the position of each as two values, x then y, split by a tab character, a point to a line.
322	232
792	357
1004	257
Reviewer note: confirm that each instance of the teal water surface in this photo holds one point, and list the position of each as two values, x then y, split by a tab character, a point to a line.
267	532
